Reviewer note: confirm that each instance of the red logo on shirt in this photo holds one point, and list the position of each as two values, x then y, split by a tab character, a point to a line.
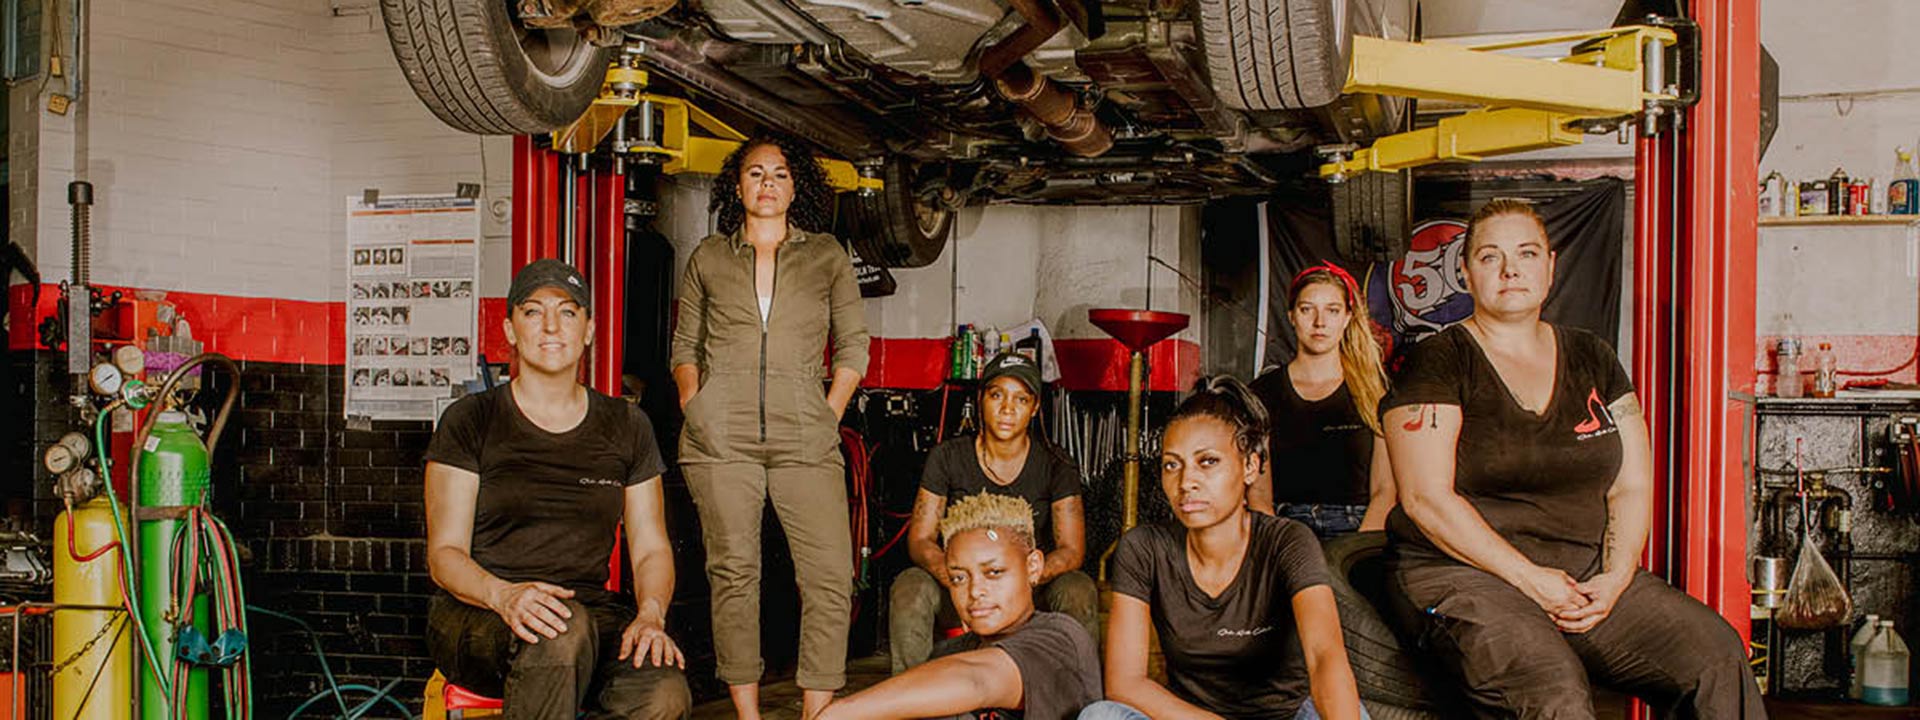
1598	417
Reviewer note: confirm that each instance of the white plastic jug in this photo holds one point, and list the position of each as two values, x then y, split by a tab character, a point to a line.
1884	669
1857	650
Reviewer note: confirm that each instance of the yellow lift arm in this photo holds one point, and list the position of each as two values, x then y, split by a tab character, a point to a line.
677	148
1530	104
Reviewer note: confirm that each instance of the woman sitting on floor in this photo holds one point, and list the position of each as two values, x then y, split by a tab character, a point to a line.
1041	664
1239	599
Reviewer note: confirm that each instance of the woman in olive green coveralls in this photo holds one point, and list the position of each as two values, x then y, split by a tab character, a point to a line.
759	303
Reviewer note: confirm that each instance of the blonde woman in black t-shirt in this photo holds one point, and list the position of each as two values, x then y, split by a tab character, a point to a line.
1526	491
1323	408
1239	600
1038	665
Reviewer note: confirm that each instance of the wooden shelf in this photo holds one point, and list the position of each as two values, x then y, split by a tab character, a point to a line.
1841	220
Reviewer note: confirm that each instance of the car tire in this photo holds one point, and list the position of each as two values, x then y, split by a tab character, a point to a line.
896	228
1386	674
1274	54
480	71
1383	711
1370	216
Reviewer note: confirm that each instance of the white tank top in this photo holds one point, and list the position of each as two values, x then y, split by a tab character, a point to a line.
766	306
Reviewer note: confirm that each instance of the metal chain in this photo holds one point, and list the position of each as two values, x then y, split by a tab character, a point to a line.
118	616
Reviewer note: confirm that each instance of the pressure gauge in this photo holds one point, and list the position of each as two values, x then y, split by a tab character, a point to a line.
106	379
131	360
59	459
72	449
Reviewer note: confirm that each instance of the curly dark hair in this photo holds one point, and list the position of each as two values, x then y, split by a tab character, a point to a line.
812	208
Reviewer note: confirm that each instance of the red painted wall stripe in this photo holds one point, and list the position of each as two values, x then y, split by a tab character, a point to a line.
309	332
242	328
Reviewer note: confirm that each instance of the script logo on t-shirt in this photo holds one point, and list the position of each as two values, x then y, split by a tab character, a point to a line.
603	482
1599	420
1249	632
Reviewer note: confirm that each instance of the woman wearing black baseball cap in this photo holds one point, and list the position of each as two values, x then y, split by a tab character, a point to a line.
526	485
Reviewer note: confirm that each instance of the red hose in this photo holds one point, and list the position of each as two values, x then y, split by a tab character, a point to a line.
74	552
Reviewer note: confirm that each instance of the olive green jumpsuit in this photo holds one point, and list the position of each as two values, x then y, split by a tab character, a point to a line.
760	428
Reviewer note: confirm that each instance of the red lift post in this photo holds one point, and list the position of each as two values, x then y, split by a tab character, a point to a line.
1693	324
600	244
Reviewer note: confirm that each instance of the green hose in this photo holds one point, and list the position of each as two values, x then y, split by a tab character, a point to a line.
126	560
334	688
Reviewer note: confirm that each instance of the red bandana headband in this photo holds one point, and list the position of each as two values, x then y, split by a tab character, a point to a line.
1346	278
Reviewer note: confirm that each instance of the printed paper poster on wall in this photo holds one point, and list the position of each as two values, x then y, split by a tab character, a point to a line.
413	263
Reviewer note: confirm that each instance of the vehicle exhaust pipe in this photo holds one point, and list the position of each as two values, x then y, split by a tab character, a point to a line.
1065	119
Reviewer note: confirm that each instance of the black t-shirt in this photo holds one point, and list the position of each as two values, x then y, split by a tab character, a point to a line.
953	472
1236	655
549	502
1322	451
1059	665
1540	481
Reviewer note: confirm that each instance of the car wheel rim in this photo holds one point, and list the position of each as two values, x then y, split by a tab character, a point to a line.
559	55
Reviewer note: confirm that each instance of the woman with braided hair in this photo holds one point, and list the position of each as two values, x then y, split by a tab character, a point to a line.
761	302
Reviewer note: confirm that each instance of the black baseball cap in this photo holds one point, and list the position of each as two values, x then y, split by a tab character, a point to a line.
1014	365
545	273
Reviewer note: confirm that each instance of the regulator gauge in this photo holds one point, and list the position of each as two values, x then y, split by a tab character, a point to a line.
131	360
106	379
59	459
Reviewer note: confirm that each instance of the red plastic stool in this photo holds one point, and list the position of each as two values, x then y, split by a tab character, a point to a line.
458	701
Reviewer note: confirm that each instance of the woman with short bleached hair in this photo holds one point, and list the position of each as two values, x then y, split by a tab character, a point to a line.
1041	664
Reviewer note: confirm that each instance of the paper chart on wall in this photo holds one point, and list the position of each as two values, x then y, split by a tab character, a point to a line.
413	262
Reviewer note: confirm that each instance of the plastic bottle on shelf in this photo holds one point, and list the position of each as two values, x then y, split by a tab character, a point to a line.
1773	195
1903	192
1826	380
1787	382
1884	669
1857	648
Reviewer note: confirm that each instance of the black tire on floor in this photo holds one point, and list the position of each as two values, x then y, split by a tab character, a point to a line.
480	71
1385	672
894	227
1383	711
1370	218
1274	54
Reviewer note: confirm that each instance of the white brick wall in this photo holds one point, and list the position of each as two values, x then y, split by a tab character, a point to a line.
224	136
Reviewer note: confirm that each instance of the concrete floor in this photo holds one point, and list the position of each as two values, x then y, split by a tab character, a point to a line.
781	700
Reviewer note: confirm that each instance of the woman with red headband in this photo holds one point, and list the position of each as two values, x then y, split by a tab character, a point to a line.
1324	406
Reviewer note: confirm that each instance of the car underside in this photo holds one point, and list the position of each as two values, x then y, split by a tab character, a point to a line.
1049	102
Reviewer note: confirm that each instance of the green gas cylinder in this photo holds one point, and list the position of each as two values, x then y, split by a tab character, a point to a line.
174	472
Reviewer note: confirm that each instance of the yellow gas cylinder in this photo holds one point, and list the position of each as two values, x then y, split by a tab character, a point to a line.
92	655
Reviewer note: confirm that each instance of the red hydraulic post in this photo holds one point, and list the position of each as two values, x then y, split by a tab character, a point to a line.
1717	280
608	258
535	202
1653	310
